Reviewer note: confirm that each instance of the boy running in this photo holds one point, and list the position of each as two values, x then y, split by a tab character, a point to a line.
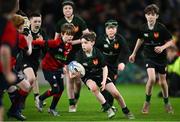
155	38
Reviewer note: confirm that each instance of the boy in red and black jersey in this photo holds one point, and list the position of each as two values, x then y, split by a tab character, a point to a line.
53	63
7	42
68	8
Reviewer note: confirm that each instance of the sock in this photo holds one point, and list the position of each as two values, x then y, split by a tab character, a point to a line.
55	100
35	95
125	110
166	100
109	98
106	106
13	95
72	101
148	98
77	95
15	99
45	95
23	96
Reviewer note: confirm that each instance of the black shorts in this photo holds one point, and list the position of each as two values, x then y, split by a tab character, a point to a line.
5	85
159	68
34	66
97	79
54	77
112	71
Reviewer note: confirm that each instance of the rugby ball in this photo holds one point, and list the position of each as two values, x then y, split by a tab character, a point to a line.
74	66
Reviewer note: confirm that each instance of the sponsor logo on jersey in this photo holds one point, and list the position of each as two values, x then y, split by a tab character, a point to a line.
146	34
106	45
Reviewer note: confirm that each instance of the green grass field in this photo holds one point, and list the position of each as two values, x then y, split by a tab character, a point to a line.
90	110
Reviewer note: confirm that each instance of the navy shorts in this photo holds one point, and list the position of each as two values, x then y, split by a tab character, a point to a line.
32	65
159	68
96	79
54	77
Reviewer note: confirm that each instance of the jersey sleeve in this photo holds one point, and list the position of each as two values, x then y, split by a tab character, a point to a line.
78	56
140	33
22	42
58	27
166	34
101	58
82	24
124	53
99	43
9	36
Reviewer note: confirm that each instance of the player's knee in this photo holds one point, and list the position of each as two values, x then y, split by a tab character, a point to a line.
27	87
116	95
94	89
151	80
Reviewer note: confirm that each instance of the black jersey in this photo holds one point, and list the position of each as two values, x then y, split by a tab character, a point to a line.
36	49
114	51
93	65
80	26
152	38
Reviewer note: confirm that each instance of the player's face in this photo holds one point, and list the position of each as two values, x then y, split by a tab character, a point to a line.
36	22
86	45
151	17
67	11
21	29
111	31
66	37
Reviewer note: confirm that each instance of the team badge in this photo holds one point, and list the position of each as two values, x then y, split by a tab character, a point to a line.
156	34
116	45
95	61
76	28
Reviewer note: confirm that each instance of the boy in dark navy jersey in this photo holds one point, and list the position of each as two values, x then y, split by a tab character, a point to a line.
155	38
73	87
97	75
116	53
31	62
53	64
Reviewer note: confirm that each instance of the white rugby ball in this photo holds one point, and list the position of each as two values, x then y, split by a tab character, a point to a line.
74	66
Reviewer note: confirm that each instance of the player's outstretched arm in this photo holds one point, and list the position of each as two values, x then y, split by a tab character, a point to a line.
133	55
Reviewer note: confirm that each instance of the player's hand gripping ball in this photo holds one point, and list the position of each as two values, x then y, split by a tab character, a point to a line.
75	67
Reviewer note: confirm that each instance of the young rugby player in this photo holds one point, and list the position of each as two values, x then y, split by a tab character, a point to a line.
7	43
116	53
53	63
31	63
97	75
155	38
73	86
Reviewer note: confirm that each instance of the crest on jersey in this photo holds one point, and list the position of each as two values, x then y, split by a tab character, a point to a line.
156	34
116	45
95	61
76	28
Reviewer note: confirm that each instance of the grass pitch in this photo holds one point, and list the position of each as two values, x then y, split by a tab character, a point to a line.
90	110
